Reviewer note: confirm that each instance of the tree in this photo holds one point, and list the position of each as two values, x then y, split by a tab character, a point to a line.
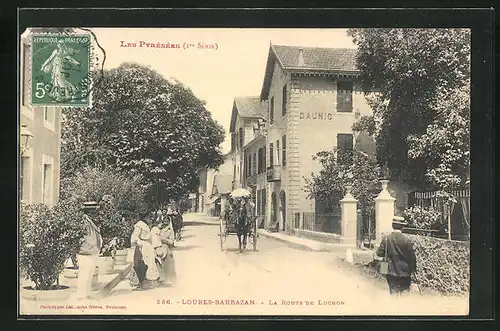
445	145
411	70
339	170
143	124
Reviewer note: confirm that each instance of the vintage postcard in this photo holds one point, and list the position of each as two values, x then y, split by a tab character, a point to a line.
259	172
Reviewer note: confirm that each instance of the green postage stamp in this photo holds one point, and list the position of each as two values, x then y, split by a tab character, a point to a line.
61	70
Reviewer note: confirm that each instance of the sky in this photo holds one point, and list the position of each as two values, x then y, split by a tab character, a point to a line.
236	68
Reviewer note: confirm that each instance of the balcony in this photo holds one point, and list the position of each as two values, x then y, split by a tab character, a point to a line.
274	173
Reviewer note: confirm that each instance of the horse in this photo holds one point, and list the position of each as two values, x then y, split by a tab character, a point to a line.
242	228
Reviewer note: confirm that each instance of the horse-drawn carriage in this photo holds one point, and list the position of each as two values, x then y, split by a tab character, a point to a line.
237	221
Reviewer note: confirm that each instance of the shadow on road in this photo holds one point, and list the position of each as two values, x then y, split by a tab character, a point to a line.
188	236
237	251
185	248
191	223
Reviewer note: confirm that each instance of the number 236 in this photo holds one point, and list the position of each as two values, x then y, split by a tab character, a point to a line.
162	302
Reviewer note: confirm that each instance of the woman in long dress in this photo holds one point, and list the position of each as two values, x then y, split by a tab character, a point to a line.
144	255
61	88
163	238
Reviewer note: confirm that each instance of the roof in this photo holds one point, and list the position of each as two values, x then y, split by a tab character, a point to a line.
316	59
246	107
223	184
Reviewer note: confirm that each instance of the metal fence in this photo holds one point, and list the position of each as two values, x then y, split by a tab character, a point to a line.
329	223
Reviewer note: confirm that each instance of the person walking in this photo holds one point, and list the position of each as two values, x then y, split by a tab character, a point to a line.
163	242
144	255
398	251
89	252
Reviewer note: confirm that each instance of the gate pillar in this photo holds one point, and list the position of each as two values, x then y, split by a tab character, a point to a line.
348	207
384	212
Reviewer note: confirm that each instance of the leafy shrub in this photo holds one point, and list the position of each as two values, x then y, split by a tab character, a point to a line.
48	237
92	184
121	199
442	265
422	218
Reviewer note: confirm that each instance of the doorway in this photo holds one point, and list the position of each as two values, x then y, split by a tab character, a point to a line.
274	214
283	208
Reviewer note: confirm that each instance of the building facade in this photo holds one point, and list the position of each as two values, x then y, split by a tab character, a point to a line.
207	201
246	122
255	173
39	164
314	97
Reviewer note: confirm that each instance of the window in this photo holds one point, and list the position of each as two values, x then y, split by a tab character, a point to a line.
284	150
249	170
344	97
241	137
271	154
345	147
246	165
47	184
264	197
264	159
271	111
259	157
277	152
284	100
254	163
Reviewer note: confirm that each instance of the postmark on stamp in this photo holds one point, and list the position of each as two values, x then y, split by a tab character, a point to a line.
63	69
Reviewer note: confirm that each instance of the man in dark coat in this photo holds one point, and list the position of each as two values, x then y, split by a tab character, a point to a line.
400	257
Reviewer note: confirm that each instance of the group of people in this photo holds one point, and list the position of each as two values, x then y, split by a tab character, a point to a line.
153	239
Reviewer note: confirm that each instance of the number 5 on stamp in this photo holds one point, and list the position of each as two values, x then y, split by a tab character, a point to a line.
61	70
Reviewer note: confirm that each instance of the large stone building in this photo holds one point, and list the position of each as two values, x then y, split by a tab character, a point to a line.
309	101
314	97
39	164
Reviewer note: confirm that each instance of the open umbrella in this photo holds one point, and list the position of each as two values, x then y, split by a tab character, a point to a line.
240	193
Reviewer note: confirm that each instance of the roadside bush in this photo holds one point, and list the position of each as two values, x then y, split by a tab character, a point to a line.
48	237
92	184
121	199
442	265
422	218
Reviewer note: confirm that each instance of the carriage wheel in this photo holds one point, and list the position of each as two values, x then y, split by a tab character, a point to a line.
221	234
254	236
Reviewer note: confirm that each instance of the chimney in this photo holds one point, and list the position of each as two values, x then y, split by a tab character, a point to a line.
301	57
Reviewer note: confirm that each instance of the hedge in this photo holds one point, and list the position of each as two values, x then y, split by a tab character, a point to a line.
442	265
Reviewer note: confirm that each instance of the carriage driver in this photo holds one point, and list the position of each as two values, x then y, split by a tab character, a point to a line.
250	209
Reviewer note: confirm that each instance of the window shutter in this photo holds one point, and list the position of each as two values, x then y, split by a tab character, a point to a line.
271	111
264	167
284	150
271	154
277	152
284	100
